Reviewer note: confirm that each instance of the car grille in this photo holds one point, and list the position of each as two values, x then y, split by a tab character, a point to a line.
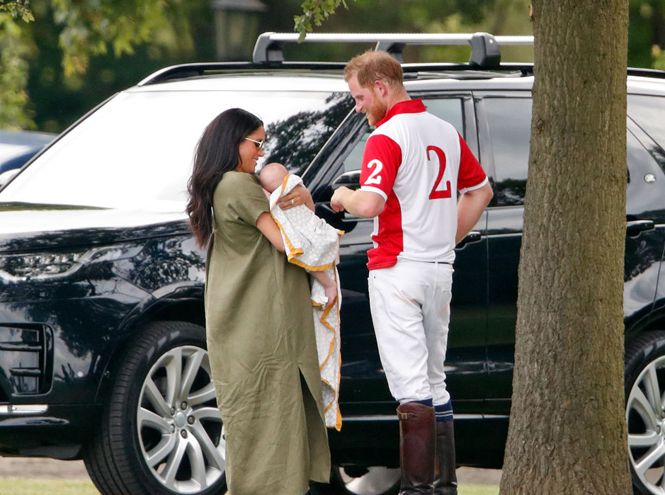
23	360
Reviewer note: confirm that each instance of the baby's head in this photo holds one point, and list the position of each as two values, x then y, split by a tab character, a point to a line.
272	176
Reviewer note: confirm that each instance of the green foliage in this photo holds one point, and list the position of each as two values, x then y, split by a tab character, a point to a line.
499	17
315	11
658	55
17	8
646	33
91	27
67	35
14	113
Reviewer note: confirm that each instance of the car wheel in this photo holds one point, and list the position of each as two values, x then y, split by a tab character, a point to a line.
645	411
375	480
161	433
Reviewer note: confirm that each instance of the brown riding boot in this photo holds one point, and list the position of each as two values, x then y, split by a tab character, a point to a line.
446	481
416	448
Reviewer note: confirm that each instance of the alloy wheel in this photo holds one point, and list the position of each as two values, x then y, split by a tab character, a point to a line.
179	426
645	416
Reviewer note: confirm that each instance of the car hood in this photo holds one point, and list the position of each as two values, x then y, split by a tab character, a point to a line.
30	227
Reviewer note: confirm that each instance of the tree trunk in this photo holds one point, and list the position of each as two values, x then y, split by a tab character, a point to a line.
567	427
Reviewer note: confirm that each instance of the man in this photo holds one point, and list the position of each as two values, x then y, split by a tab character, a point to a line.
413	166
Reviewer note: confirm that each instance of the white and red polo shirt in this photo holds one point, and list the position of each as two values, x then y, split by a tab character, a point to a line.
417	162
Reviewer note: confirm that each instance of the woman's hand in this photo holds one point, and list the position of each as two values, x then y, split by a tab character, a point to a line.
299	195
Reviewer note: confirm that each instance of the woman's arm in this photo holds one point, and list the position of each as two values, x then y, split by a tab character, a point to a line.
269	228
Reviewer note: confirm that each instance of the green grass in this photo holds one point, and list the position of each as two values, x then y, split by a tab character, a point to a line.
45	486
478	489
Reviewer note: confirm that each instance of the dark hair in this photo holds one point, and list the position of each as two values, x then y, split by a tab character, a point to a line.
216	153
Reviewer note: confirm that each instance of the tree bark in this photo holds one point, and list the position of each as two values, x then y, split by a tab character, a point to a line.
567	430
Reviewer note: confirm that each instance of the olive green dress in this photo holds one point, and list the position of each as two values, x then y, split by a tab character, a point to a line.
262	351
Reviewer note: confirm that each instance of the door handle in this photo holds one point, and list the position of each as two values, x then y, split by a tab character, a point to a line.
634	227
473	236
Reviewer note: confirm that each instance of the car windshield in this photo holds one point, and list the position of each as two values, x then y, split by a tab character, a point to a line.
136	151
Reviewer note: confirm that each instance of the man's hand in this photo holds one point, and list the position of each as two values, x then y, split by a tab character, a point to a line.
363	204
337	201
469	209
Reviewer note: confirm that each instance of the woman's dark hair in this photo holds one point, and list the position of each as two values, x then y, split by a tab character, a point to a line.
216	153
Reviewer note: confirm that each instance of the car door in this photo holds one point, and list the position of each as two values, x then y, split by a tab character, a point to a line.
645	209
504	131
363	380
507	140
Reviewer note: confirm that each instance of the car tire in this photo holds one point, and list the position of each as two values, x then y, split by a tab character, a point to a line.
645	411
161	432
375	480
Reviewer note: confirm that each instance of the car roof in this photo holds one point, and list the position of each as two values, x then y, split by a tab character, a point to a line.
295	80
260	80
308	77
646	85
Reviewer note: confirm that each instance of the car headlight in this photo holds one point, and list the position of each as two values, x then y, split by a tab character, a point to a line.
40	266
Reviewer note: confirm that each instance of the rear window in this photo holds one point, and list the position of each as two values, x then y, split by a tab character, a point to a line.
509	121
137	150
649	113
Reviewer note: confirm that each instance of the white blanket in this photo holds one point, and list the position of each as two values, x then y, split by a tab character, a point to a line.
314	245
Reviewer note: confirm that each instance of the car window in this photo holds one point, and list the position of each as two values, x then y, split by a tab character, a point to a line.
137	150
509	121
649	113
644	195
448	109
510	144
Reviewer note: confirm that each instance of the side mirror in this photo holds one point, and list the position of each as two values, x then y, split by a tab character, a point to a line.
349	179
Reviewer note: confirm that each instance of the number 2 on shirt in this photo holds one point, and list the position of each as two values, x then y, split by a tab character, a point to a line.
374	177
443	193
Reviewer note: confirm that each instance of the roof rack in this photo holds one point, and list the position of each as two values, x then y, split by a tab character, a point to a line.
484	47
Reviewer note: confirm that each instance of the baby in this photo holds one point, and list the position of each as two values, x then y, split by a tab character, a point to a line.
272	178
313	244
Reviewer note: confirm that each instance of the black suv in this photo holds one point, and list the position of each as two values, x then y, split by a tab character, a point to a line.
102	340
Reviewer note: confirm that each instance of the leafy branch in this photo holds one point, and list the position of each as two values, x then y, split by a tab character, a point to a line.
17	8
314	13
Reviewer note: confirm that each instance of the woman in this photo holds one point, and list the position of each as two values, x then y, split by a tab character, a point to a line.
258	319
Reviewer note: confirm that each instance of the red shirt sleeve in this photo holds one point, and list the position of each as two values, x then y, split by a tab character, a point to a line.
471	174
381	161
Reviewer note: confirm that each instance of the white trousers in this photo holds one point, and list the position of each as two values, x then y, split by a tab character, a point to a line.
410	304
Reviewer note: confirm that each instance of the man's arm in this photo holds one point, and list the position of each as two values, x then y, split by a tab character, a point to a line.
469	209
363	204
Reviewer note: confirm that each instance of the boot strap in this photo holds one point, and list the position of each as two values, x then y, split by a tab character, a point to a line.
404	416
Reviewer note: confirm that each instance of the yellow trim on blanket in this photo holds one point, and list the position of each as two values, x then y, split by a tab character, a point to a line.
324	322
292	257
294	251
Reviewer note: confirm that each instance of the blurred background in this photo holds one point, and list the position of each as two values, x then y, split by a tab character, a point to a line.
77	53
